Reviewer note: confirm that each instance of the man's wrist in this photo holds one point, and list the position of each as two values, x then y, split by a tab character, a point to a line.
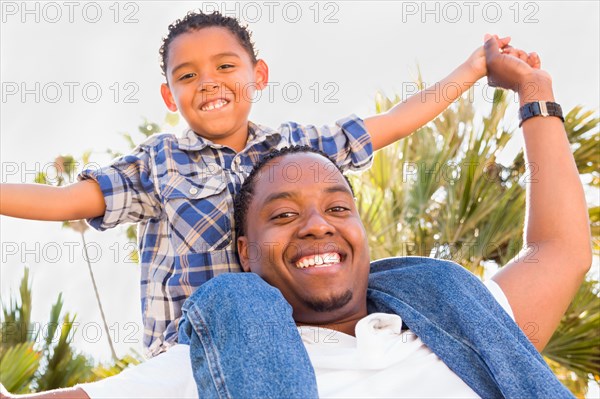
535	88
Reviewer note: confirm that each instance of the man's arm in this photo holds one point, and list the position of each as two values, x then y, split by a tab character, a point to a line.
543	279
65	393
80	200
168	375
421	108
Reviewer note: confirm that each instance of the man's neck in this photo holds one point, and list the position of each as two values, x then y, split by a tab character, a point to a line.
346	326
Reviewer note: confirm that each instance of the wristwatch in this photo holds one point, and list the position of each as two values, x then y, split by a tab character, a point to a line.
539	108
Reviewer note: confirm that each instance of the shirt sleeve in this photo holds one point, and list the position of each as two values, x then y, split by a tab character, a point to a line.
499	296
128	188
347	142
168	375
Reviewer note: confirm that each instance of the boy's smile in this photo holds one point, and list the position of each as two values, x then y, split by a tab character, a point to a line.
212	81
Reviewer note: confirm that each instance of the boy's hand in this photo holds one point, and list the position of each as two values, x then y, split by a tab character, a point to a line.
476	61
511	68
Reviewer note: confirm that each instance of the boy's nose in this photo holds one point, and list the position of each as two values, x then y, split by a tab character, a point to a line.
209	86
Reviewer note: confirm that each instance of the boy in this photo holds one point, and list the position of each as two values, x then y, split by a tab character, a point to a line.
180	190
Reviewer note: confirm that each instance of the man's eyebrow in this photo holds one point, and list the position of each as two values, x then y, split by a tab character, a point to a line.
337	189
279	195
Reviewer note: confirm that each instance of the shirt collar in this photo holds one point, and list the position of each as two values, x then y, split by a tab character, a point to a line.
190	141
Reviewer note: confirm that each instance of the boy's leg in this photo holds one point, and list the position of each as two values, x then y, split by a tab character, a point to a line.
244	342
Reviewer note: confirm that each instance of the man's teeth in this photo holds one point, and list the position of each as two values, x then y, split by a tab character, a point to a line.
319	260
214	105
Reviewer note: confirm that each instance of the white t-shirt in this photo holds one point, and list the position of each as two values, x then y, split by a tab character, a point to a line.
379	362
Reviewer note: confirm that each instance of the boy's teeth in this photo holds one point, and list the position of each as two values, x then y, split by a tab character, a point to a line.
214	104
319	260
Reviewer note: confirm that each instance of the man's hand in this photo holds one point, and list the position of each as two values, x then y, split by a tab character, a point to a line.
476	61
511	68
4	394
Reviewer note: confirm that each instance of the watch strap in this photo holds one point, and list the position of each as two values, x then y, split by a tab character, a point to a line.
540	108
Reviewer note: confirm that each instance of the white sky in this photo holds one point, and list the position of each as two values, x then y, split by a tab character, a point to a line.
364	47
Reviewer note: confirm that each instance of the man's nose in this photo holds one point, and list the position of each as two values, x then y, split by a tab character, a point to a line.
316	225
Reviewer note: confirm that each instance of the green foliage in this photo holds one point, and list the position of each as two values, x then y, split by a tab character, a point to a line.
30	363
575	345
441	192
103	371
18	366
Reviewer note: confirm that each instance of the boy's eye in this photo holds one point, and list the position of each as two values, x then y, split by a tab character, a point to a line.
187	76
225	66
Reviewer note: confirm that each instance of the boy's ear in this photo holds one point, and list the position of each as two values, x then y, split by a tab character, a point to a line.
261	74
167	96
242	247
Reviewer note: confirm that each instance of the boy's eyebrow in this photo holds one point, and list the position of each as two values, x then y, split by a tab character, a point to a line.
184	64
226	54
220	55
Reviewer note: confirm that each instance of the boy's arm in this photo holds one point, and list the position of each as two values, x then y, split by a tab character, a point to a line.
543	279
80	200
421	108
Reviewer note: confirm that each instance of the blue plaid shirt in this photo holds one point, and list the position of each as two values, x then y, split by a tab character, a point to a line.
180	191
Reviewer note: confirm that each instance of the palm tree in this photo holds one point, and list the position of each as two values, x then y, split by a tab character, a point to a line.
32	359
429	195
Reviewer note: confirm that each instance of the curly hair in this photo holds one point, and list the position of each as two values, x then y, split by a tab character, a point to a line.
195	21
243	199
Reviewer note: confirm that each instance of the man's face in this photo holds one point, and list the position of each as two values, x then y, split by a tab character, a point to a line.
212	81
305	237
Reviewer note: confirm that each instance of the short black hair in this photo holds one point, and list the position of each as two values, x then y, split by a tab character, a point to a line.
244	197
194	21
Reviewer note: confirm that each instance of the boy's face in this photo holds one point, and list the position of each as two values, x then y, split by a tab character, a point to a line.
212	81
305	237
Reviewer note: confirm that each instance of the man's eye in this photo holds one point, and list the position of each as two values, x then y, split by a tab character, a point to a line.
225	66
284	215
337	209
187	76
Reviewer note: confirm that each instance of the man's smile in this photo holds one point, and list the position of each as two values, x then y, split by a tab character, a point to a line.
327	259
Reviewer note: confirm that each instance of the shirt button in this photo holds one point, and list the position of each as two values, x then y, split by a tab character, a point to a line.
193	190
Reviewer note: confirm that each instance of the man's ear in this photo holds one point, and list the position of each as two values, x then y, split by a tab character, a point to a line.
261	74
167	96
242	247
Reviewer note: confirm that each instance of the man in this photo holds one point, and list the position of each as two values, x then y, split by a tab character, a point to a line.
294	219
301	233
